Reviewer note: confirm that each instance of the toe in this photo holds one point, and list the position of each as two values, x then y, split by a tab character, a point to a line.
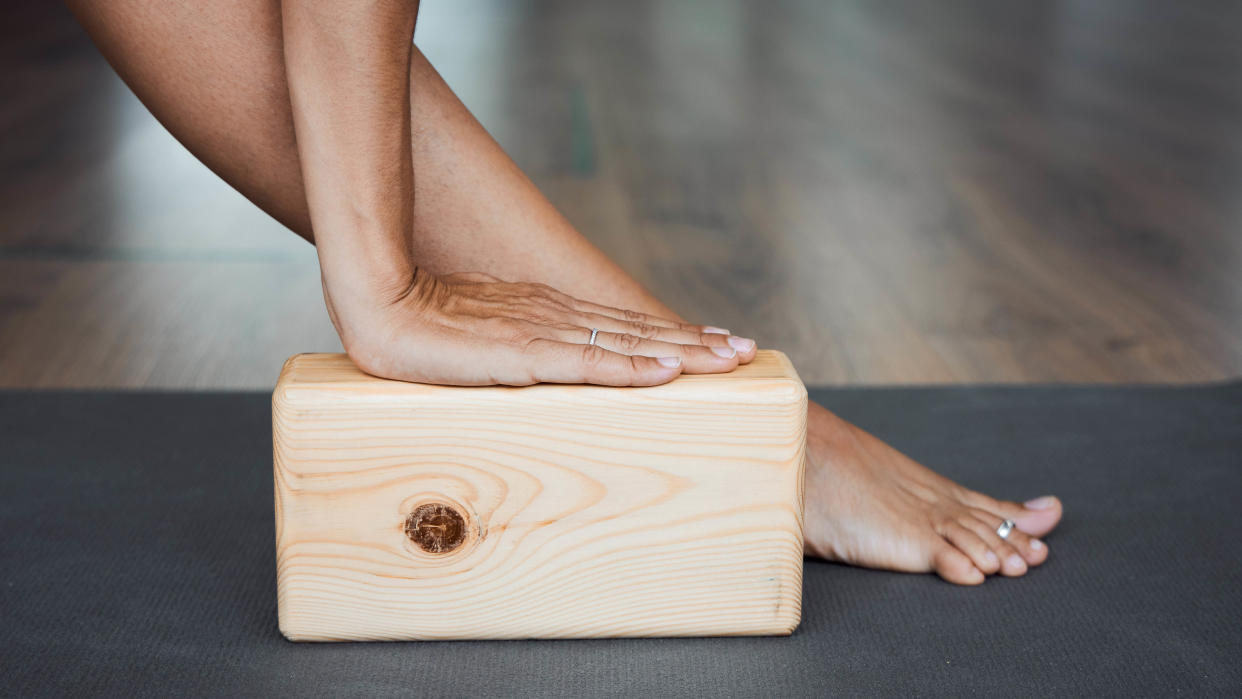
1013	566
1036	551
974	547
1012	563
1036	517
955	566
1032	550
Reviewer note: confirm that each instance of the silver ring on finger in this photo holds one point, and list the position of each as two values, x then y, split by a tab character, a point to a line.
1005	527
594	334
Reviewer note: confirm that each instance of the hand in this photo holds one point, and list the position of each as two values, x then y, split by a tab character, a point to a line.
472	329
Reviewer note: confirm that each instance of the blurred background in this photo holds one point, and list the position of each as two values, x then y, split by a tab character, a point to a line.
891	192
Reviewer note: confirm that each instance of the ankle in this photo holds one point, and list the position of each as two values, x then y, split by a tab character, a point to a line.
825	432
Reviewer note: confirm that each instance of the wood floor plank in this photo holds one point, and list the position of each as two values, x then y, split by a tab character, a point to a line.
975	190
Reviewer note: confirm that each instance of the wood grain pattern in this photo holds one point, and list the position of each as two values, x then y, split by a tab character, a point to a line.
588	511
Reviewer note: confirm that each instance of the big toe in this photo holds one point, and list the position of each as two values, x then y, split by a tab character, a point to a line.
1036	517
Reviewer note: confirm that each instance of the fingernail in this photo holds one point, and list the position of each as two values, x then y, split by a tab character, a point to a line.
1015	561
741	344
1037	545
1043	503
992	559
669	362
726	352
715	331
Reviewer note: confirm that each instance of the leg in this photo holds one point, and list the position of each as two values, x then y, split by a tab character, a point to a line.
214	76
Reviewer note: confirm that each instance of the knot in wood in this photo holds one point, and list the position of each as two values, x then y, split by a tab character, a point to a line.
436	527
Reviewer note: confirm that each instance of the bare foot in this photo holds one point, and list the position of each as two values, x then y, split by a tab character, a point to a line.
869	505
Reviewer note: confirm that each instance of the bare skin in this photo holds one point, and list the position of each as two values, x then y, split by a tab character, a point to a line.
413	251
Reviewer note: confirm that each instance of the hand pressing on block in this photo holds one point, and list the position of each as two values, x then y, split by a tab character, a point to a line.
472	329
407	511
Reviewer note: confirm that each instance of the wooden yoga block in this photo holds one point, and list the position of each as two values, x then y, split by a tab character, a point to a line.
407	512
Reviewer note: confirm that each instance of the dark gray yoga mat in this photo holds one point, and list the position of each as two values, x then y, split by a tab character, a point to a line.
137	558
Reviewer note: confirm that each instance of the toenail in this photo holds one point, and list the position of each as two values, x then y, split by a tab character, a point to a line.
1046	502
1037	545
1015	561
991	558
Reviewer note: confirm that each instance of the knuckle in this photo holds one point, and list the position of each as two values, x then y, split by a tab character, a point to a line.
535	352
644	329
633	316
529	344
629	343
593	355
636	368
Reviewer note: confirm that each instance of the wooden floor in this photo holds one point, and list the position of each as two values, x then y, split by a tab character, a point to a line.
894	192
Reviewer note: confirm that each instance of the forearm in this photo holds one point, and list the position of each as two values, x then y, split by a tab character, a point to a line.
347	66
348	71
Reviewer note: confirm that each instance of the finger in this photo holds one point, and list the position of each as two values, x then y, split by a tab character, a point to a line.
629	315
679	336
631	322
696	359
971	544
1012	562
650	332
561	362
1033	550
635	320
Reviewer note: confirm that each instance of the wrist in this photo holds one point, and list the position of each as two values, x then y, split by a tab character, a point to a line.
371	280
373	309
